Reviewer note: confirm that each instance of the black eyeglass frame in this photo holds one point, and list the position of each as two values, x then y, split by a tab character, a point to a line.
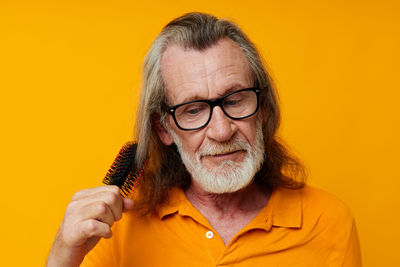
213	103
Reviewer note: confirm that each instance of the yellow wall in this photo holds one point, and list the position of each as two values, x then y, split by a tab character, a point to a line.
69	79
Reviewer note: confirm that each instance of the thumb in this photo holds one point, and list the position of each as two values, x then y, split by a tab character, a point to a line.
127	204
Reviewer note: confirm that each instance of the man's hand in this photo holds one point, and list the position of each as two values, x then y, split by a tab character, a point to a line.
88	217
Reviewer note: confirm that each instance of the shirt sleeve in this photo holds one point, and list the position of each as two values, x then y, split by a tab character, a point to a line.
352	256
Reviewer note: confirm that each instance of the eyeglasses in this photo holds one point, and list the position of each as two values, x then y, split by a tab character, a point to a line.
196	114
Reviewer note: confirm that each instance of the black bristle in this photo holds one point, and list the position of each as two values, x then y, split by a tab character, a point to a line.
122	172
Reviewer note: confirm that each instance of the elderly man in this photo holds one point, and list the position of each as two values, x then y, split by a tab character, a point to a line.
219	187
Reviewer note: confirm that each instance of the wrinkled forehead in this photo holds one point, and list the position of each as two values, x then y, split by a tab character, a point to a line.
189	73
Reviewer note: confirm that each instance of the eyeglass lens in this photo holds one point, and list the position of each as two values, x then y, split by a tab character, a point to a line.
196	114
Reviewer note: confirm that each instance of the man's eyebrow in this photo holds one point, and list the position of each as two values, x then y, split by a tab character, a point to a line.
191	98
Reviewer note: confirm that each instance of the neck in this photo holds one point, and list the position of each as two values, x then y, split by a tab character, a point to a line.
248	200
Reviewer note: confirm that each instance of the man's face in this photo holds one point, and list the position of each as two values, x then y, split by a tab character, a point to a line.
224	146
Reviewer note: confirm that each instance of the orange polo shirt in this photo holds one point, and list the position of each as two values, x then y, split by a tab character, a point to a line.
303	227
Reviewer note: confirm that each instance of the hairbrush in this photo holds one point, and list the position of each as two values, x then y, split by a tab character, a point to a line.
123	172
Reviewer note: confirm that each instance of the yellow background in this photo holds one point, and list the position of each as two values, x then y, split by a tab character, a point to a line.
69	80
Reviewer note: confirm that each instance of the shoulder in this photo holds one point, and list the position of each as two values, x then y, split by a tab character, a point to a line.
320	202
318	222
323	212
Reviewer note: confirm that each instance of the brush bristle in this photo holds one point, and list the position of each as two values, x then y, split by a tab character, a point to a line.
122	172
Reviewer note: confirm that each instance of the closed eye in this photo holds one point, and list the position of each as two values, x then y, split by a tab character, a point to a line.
193	109
232	102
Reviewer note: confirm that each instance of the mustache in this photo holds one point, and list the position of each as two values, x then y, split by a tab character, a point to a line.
223	148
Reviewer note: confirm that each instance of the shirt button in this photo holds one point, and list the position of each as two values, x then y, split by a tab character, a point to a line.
209	234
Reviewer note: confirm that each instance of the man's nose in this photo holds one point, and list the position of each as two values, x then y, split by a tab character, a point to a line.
220	128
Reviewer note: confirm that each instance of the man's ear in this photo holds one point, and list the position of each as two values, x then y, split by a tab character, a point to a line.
162	133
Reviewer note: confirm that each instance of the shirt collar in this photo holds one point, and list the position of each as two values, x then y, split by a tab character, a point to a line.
286	209
176	201
283	209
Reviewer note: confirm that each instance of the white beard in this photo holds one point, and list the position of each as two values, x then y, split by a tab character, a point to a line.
229	176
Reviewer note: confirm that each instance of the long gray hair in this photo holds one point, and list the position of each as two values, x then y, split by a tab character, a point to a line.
165	169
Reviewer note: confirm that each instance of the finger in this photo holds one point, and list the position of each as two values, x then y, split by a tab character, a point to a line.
91	191
127	204
109	197
98	210
91	228
114	202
